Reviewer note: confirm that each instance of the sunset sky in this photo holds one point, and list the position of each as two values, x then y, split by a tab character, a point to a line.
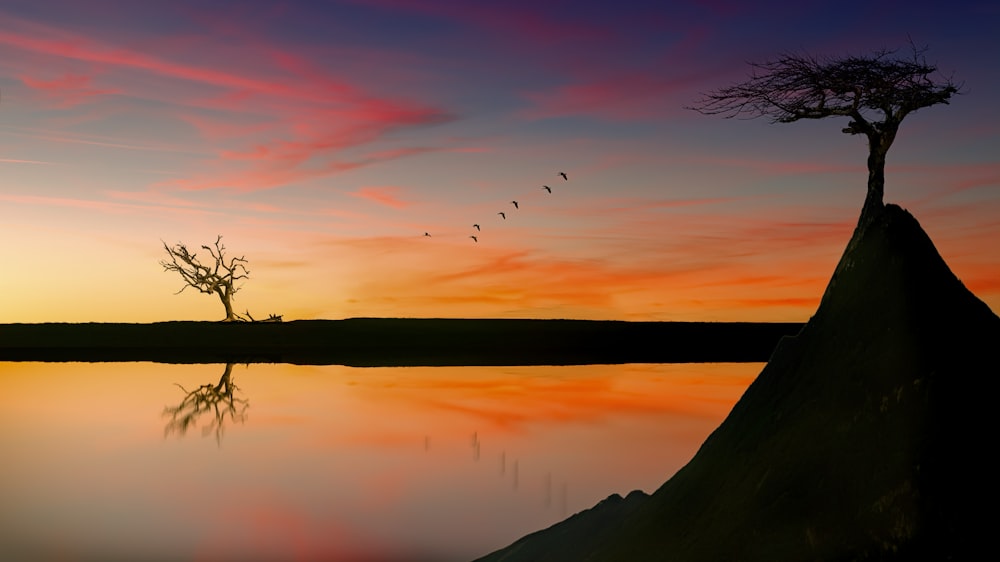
323	139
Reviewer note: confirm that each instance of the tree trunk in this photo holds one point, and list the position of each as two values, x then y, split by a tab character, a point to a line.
226	299
875	198
879	142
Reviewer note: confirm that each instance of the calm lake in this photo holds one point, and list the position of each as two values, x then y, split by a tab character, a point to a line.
310	463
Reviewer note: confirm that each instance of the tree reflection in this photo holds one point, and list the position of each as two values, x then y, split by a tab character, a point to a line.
218	402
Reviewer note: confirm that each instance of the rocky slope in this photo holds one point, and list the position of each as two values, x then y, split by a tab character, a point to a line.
864	438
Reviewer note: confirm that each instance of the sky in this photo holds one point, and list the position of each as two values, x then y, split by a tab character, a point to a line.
322	140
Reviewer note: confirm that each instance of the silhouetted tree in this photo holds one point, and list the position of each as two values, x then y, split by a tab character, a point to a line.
218	277
876	92
218	400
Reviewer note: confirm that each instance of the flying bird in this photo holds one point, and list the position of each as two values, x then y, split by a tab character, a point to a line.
477	226
503	215
474	239
547	188
563	174
427	234
515	204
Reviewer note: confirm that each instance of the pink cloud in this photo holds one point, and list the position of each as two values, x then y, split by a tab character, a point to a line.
71	46
93	140
603	74
630	96
278	164
633	97
17	161
103	206
68	90
953	178
216	129
388	196
608	89
291	120
782	167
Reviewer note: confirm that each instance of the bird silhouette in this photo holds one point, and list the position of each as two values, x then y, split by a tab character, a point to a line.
563	174
547	188
503	215
477	227
427	234
515	204
474	239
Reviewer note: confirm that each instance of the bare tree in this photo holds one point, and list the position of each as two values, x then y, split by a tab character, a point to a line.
876	92
218	277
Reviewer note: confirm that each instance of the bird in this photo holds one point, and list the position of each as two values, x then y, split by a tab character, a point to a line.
515	204
477	227
503	215
474	239
563	174
427	234
547	188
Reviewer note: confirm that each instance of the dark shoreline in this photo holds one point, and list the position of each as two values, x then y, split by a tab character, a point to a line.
398	342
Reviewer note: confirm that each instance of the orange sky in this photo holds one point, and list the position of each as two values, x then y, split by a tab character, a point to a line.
323	142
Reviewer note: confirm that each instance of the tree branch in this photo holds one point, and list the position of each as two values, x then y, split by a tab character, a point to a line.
220	277
799	86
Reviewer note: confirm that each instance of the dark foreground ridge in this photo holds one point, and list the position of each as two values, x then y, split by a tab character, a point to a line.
394	342
864	438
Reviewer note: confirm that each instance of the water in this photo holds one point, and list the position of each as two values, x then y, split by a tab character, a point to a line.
332	463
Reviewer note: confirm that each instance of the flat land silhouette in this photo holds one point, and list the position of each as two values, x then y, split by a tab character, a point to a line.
398	342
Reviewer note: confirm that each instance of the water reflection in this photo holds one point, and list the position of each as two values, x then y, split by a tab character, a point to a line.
215	402
338	463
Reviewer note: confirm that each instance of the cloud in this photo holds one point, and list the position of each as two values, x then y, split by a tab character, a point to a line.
620	97
17	161
280	120
68	90
387	195
103	206
59	43
96	140
781	167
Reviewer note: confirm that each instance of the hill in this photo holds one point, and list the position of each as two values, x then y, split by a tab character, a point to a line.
863	438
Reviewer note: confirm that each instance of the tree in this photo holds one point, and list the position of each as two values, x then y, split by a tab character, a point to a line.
219	277
876	92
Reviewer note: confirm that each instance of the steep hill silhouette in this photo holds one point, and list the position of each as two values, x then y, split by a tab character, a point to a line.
863	438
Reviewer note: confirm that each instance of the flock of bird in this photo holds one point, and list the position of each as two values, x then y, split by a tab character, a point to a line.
502	214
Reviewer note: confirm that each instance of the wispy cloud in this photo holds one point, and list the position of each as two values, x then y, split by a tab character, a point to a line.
17	161
95	140
68	90
629	96
297	121
782	167
113	207
384	195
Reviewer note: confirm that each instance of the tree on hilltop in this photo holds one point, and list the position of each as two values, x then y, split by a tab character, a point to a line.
876	92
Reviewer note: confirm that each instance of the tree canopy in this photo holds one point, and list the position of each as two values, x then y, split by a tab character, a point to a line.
875	92
801	86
